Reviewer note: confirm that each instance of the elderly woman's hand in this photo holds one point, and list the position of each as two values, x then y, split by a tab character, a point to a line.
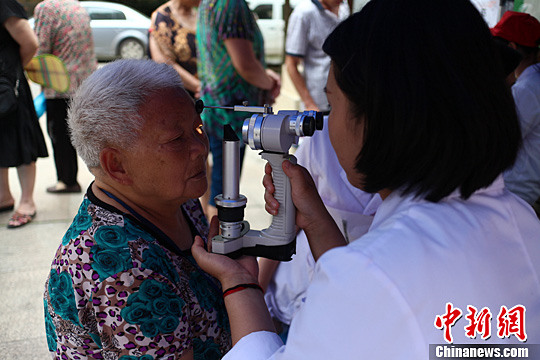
246	309
230	272
311	214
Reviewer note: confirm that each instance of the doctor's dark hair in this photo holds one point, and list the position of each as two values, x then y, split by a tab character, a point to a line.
426	80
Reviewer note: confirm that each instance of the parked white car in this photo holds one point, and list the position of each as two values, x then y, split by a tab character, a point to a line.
118	30
269	15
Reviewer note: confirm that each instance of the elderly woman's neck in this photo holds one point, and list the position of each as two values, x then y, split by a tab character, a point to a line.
168	218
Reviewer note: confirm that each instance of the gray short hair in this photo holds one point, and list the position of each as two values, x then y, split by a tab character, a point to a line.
105	110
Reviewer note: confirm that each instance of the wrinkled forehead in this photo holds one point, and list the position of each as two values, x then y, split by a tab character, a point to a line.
167	99
168	106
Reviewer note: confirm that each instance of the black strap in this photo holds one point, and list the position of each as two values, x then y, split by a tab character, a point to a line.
168	242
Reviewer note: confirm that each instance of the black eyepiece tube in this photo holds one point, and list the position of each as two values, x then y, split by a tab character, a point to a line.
319	121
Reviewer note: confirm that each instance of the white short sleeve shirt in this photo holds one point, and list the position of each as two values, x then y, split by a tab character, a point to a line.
309	26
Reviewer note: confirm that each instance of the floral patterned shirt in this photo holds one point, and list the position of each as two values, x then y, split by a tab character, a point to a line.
63	29
116	291
175	41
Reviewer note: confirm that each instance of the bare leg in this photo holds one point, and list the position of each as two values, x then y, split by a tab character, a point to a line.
27	179
6	199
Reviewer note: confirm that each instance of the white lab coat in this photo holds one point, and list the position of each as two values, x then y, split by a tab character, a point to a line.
378	297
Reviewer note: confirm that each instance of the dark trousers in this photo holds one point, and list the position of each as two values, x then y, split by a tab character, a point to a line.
65	156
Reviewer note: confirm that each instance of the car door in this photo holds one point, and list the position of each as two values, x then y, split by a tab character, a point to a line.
106	24
272	29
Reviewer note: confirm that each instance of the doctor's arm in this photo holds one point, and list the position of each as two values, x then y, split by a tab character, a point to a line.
247	309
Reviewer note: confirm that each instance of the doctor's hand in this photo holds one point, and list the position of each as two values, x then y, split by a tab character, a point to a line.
311	214
230	272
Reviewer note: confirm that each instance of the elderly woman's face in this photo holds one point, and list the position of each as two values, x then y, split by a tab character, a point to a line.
346	135
168	161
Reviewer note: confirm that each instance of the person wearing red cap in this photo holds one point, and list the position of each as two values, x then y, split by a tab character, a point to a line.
521	32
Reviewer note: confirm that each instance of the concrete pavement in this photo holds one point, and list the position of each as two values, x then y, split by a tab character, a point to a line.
26	253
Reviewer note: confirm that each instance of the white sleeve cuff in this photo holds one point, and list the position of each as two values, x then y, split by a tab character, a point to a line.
260	345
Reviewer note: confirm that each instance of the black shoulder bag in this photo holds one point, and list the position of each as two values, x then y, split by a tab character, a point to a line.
9	95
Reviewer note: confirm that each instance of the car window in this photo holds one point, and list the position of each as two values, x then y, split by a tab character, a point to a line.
263	11
105	14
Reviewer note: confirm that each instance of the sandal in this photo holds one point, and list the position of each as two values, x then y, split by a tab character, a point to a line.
18	219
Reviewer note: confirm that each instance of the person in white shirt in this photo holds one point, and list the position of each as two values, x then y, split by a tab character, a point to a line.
521	32
309	25
421	115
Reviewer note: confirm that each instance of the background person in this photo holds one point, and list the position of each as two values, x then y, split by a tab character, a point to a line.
63	29
231	70
310	24
21	139
172	40
123	282
521	32
426	136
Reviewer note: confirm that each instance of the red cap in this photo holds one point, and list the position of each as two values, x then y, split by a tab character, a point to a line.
520	28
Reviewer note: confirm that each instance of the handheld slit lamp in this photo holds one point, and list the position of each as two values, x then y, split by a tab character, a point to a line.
274	134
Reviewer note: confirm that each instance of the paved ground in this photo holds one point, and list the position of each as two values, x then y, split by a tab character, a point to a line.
26	253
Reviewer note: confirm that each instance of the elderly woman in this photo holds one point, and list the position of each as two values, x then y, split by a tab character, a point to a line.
123	283
422	116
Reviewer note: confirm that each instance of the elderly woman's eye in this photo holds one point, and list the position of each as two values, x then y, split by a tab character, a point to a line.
178	138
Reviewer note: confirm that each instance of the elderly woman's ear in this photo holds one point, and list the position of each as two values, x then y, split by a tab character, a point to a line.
113	166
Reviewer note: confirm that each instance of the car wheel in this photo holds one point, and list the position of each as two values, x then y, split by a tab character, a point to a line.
131	49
